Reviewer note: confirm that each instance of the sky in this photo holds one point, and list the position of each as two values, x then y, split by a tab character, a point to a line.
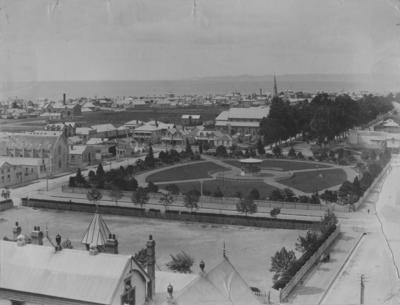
47	40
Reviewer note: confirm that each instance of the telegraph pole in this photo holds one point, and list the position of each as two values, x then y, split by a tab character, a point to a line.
362	289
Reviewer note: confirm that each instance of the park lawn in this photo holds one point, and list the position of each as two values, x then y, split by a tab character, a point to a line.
284	165
228	187
186	172
309	182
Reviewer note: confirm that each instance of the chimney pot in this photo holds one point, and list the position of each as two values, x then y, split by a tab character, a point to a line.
170	290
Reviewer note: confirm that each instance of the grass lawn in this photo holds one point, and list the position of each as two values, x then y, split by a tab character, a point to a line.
284	165
228	187
311	181
186	172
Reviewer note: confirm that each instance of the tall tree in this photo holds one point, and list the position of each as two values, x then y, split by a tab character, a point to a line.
280	262
307	243
149	160
166	199
246	205
181	262
115	193
140	196
191	199
260	147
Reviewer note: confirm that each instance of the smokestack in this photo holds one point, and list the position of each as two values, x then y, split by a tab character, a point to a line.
16	231
151	264
37	236
64	98
111	245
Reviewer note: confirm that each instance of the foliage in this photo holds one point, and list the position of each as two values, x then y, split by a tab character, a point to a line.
328	222
275	212
181	262
280	262
188	148
116	193
151	187
221	151
260	147
308	242
140	196
277	151
255	194
246	205
172	188
94	195
191	199
292	153
218	193
166	199
330	196
149	160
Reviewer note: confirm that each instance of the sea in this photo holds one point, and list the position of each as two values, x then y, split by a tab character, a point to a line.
203	86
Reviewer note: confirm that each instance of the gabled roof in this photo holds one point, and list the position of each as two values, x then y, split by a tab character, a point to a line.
97	232
33	140
104	127
221	285
69	274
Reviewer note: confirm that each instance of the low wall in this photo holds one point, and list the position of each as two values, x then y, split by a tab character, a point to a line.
6	204
284	293
218	218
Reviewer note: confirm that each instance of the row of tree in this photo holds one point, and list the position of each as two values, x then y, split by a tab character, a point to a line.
322	119
284	263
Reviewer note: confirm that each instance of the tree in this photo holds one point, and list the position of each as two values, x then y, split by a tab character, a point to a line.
276	195
292	153
315	199
307	243
255	194
141	257
79	179
200	148
275	211
94	195
300	155
277	151
173	189
345	191
329	196
166	199
218	193
366	181
181	262
246	205
221	151
140	196
151	187
66	244
116	193
288	195
132	184
280	262
357	187
100	171
5	193
260	147
328	222
188	148
149	160
191	199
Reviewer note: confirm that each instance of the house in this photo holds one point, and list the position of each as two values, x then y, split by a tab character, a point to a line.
148	133
69	128
190	119
214	138
105	131
14	173
243	121
101	146
81	156
85	133
133	124
68	111
388	125
126	148
49	146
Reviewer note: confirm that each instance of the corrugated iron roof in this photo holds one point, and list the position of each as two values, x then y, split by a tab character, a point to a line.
70	274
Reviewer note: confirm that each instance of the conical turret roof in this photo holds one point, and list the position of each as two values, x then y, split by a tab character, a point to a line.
97	232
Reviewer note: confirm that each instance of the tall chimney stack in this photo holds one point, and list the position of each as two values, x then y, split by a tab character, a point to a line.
37	236
111	245
151	264
16	230
64	98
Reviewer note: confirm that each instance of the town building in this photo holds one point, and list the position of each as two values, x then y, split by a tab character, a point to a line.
213	138
85	133
190	119
81	156
48	147
69	128
14	173
243	121
105	131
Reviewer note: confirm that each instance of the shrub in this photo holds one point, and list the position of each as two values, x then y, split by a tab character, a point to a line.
181	262
275	211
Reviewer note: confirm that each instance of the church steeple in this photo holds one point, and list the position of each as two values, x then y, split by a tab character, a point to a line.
275	87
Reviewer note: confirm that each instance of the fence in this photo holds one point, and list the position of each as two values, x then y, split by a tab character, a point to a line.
6	204
179	215
284	293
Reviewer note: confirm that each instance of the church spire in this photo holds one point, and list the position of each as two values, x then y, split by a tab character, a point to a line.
275	87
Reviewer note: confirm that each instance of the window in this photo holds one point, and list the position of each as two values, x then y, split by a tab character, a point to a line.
129	295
